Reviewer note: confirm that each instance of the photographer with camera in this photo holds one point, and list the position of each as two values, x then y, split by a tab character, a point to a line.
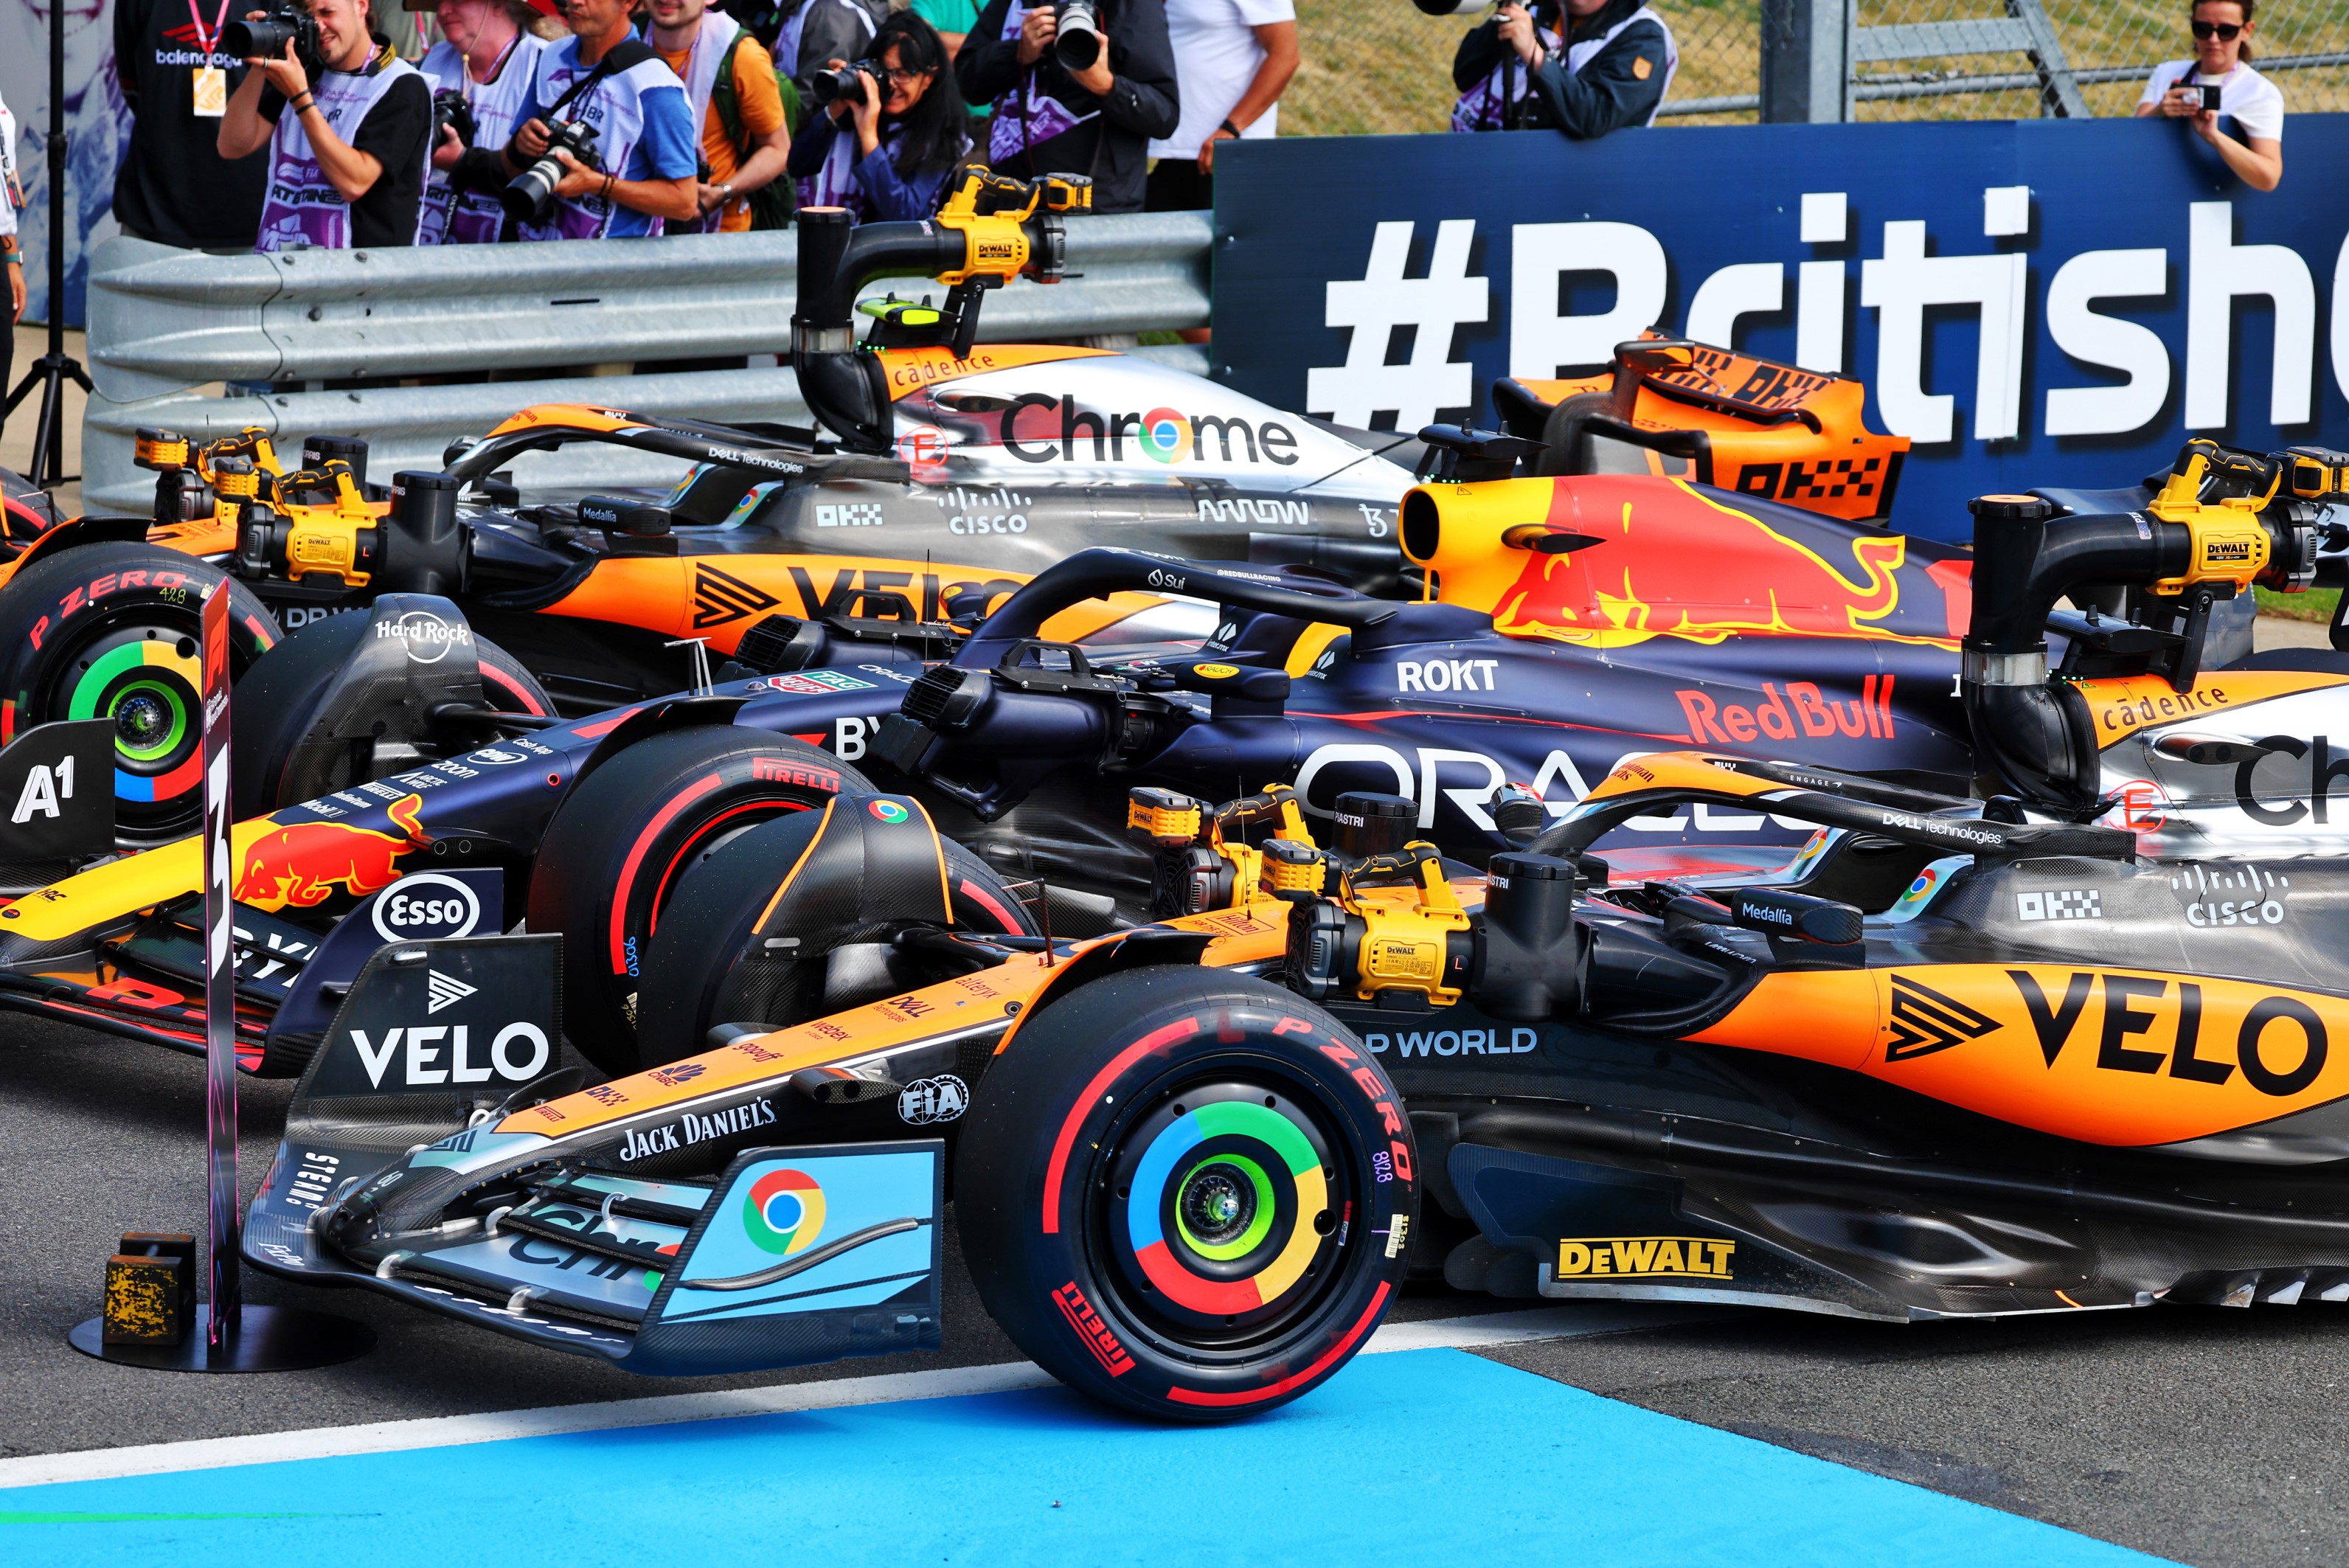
815	31
481	74
1080	87
733	94
1585	68
2220	80
346	166
892	130
607	147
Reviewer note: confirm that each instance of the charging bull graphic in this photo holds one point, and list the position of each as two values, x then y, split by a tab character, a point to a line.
302	864
1650	573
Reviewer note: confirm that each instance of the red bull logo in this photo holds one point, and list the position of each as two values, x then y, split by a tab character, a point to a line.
300	864
1670	571
1802	708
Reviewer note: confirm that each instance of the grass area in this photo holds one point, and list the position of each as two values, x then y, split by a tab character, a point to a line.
2317	605
1383	67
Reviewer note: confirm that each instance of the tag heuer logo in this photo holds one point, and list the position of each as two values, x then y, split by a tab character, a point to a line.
718	598
442	992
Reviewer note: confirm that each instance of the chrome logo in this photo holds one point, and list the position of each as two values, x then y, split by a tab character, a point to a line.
1166	435
784	1212
889	811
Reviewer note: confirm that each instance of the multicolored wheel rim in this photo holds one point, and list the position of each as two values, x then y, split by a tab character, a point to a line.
1224	1203
147	682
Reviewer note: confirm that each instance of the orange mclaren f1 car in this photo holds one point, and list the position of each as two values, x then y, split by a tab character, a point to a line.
2062	1049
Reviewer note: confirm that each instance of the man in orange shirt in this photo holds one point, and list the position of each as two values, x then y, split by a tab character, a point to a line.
730	82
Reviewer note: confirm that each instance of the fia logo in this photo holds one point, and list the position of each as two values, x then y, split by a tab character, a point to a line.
927	1100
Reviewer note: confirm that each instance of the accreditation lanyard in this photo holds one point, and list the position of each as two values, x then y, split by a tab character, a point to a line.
212	81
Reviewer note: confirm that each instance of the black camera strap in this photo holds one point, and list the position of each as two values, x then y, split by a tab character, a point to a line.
620	56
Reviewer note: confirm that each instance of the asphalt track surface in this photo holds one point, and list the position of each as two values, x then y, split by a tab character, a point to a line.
2206	1436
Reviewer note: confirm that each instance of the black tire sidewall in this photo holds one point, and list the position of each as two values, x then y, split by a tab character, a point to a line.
717	901
49	611
277	699
1055	1101
627	830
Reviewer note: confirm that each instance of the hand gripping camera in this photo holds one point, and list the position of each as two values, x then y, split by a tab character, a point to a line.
451	110
531	195
847	82
266	38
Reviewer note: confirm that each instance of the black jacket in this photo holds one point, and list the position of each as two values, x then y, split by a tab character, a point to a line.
1609	92
830	33
1143	100
173	186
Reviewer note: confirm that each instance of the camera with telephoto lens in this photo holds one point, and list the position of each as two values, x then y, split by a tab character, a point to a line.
1077	42
450	109
266	38
847	82
531	195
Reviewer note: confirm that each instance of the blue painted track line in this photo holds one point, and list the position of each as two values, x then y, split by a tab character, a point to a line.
1415	1451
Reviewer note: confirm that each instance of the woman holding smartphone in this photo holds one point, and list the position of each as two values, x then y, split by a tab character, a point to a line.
2183	90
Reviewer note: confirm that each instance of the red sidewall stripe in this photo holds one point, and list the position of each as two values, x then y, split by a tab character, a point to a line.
984	901
1182	1028
1295	1379
628	878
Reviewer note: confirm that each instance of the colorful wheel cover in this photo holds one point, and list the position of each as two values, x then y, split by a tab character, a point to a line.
1227	1206
148	687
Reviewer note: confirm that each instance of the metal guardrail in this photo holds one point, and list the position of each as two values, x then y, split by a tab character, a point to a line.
309	342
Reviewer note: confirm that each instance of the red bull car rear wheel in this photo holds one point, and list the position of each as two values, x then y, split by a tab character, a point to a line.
109	630
1186	1193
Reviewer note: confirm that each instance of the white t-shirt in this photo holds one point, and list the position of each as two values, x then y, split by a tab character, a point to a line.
1216	57
2255	102
11	192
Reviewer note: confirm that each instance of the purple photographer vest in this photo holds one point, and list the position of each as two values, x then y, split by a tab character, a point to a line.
472	217
302	205
1025	117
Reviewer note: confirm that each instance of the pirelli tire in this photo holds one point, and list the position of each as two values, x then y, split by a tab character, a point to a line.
704	967
621	838
274	705
110	629
1187	1194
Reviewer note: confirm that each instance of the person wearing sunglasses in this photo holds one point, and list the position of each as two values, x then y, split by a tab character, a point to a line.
2222	54
885	154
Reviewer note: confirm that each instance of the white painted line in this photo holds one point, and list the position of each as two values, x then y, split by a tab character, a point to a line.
1509	1328
832	1394
490	1426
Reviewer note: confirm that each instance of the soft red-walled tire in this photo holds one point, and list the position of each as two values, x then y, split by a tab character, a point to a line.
110	629
624	836
1140	1204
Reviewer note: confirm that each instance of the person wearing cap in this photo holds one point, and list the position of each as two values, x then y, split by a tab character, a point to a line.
488	57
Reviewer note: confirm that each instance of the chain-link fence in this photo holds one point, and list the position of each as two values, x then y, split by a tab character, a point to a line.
1381	66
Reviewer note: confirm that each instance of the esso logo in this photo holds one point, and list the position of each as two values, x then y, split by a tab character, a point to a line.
425	904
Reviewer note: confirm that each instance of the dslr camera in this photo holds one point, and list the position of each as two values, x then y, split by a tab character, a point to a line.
450	109
847	82
530	194
1077	43
265	38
